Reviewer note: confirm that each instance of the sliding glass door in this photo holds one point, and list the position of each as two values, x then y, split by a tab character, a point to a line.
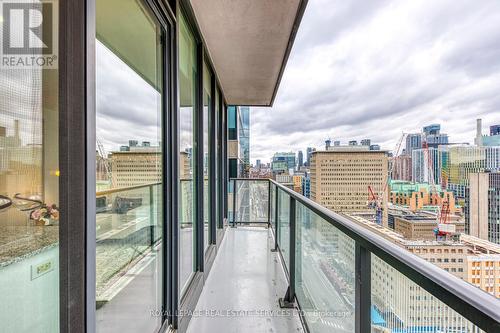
187	92
129	172
207	105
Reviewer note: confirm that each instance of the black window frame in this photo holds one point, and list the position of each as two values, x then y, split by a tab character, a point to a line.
77	164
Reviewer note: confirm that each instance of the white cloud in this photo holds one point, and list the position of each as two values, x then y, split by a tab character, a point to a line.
375	71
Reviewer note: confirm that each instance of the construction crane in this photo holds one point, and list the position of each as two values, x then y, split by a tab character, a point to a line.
104	159
374	201
396	154
430	165
443	208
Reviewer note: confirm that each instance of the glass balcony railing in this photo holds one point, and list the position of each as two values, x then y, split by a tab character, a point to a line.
250	200
345	278
128	235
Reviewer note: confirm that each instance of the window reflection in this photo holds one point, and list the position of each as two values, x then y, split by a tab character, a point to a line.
29	200
128	168
187	81
207	77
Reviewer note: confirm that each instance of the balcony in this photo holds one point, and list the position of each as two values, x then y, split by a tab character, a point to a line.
284	251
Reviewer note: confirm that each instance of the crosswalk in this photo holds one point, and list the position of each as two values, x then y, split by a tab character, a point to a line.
332	324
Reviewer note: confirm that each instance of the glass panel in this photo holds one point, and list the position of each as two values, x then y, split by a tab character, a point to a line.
400	305
29	187
187	91
231	123
207	96
252	201
129	171
230	199
218	156
233	168
244	139
272	203
284	226
324	274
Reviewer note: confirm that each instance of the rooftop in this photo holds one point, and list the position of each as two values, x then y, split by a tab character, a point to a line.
349	149
479	246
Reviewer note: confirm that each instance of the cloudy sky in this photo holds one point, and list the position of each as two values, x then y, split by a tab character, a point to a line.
124	111
375	69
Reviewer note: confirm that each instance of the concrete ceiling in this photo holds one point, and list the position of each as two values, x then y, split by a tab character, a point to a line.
249	42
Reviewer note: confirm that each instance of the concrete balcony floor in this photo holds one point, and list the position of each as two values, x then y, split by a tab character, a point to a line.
242	290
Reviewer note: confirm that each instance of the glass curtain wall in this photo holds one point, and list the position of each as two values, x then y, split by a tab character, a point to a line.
29	189
187	93
207	97
217	145
232	122
129	219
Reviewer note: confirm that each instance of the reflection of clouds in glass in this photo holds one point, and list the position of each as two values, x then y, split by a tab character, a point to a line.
186	128
21	99
205	128
127	107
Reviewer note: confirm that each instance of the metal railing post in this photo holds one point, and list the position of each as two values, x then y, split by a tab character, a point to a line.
152	222
276	219
362	290
288	300
234	203
269	204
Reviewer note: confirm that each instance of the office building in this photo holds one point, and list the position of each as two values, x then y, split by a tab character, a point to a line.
433	137
468	258
494	130
286	180
453	257
132	168
283	162
413	141
421	226
340	178
239	141
300	159
402	167
464	160
491	141
309	151
235	158
244	137
297	183
421	196
429	164
483	206
306	185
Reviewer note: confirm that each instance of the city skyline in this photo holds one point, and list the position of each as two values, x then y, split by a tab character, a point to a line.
339	84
